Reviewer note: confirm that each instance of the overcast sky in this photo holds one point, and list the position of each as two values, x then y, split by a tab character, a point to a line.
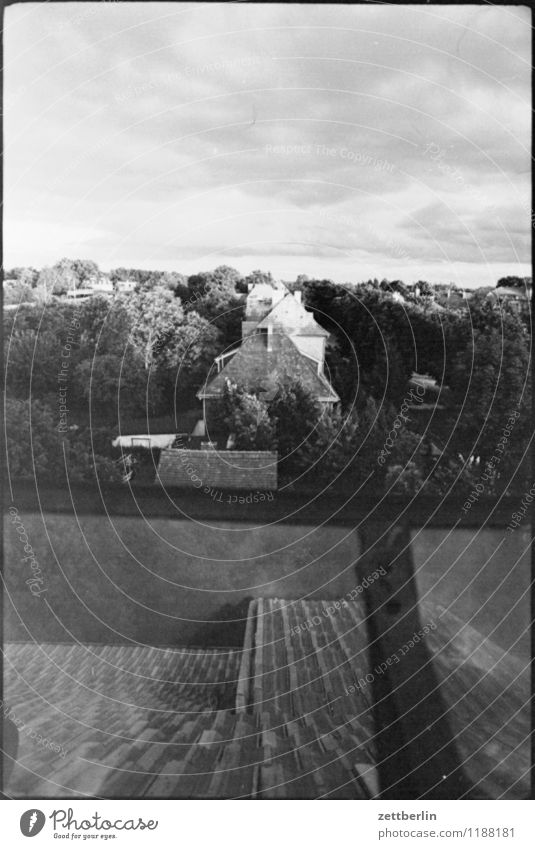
334	141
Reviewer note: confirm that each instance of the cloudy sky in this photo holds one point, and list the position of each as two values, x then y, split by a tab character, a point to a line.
334	141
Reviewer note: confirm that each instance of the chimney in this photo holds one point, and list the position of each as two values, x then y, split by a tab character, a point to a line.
297	296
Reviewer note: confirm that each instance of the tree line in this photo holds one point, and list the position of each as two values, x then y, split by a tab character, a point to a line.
145	355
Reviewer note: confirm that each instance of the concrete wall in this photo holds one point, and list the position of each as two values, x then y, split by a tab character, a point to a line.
205	470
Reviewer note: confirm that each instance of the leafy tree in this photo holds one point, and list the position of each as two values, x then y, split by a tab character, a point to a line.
177	283
144	277
67	274
215	296
119	387
349	446
118	275
404	480
84	464
295	415
223	278
288	422
333	447
190	348
298	285
53	282
246	417
104	326
258	276
33	361
490	381
374	348
154	315
84	270
33	442
18	292
324	298
183	359
25	274
36	449
425	288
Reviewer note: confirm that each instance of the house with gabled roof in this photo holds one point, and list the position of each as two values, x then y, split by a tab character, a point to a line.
281	340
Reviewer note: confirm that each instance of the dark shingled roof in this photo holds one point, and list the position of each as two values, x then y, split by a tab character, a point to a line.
253	366
182	422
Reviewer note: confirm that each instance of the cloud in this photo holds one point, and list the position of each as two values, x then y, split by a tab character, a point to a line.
134	123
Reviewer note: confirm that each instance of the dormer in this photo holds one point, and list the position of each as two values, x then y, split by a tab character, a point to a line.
259	302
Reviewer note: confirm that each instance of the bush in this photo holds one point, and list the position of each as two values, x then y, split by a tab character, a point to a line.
36	449
244	416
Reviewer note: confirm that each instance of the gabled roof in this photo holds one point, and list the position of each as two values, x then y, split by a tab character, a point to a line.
183	422
509	292
256	367
305	323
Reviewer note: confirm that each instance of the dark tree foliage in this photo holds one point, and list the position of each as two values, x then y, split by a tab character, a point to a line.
491	383
148	353
295	415
218	297
244	416
258	276
36	449
514	282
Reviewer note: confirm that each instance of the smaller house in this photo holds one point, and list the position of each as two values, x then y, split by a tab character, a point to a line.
427	394
101	285
79	294
145	440
124	287
159	432
519	299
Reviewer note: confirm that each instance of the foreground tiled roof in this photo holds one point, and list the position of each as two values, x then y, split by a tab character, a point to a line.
301	662
280	718
486	691
141	721
119	713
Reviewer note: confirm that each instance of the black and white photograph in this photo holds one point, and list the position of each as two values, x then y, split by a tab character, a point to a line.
267	476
